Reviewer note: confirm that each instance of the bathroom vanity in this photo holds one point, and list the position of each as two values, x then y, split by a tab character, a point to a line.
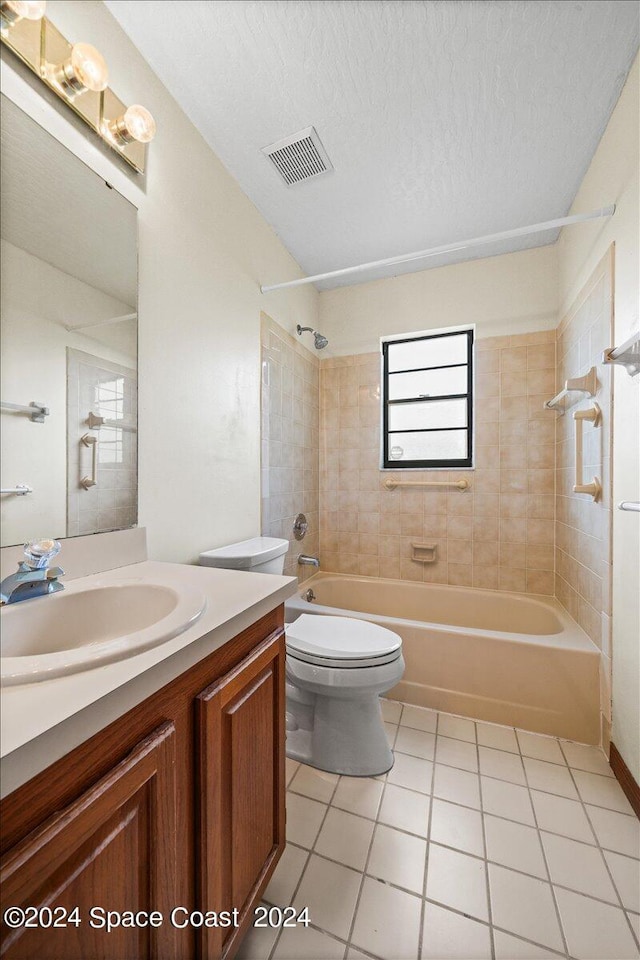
166	790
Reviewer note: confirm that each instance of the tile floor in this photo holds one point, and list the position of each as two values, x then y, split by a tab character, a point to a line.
481	842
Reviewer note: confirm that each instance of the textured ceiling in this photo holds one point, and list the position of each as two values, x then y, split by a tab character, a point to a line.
57	209
444	119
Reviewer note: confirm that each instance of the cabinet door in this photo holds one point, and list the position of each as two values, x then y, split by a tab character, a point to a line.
240	722
114	847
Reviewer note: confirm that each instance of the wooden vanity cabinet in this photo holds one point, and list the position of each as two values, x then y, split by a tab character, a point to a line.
178	803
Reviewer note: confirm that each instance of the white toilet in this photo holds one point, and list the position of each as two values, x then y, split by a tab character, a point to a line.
337	667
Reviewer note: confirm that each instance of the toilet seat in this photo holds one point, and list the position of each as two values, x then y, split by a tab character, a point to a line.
344	642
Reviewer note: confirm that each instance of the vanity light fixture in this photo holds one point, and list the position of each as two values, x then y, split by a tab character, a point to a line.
78	74
86	69
12	11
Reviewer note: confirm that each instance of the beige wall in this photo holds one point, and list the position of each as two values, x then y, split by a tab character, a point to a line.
290	431
203	251
613	177
498	534
514	293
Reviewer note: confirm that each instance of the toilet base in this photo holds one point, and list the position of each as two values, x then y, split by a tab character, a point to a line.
347	737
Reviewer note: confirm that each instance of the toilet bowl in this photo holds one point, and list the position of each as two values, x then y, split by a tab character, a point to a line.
336	670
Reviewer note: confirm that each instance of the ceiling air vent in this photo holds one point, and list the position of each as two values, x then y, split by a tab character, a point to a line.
299	157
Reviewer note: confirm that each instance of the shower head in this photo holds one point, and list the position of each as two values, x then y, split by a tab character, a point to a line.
320	341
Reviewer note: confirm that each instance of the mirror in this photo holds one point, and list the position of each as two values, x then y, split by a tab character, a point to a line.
69	342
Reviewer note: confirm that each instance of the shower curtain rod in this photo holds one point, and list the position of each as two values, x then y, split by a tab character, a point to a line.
448	248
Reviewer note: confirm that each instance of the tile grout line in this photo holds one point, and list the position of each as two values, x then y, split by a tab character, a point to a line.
492	945
544	854
423	906
373	834
604	860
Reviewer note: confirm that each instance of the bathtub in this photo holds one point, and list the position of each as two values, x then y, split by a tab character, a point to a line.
502	657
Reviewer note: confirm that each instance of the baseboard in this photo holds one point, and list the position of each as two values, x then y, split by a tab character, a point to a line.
625	778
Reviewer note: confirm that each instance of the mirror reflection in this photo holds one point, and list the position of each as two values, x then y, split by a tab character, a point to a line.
69	342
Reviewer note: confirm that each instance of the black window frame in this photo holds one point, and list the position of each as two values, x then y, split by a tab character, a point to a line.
466	462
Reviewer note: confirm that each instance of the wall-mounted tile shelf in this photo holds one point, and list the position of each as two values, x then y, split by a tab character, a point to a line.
586	385
627	355
425	552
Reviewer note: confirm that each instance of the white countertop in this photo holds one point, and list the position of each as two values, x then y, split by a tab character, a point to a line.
40	722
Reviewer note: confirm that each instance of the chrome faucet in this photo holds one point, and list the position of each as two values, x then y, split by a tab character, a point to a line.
303	560
35	578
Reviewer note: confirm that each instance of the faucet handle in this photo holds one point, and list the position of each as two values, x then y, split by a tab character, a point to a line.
39	553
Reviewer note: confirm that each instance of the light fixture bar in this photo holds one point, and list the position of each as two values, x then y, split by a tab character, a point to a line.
449	247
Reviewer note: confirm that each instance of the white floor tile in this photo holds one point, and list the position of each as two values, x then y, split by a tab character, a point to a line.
458	827
359	795
419	718
450	935
398	858
317	784
500	738
411	772
634	920
391	710
457	753
582	757
512	948
506	800
457	727
501	765
514	845
417	743
290	768
345	838
391	730
305	943
578	866
626	876
459	786
560	815
602	791
257	944
524	905
457	880
353	954
285	879
304	817
540	748
595	931
330	892
388	921
616	831
405	810
550	778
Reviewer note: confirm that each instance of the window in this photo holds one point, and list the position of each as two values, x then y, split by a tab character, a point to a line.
427	401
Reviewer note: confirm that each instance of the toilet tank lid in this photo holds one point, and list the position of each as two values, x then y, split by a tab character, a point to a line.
245	554
340	638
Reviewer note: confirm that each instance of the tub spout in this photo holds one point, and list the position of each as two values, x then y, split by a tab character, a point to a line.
303	560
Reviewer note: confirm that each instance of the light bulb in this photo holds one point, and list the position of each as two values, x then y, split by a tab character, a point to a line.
136	124
86	69
89	67
14	10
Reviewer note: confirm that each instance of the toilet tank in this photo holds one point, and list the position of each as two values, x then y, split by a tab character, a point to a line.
258	555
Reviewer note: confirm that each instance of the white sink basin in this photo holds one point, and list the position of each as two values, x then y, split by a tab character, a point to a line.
78	629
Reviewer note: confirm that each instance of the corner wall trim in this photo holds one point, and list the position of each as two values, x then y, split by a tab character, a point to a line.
625	778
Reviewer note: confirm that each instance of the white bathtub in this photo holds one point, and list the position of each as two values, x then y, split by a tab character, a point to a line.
503	657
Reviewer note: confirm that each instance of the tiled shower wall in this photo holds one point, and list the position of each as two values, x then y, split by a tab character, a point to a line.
290	432
497	534
583	527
